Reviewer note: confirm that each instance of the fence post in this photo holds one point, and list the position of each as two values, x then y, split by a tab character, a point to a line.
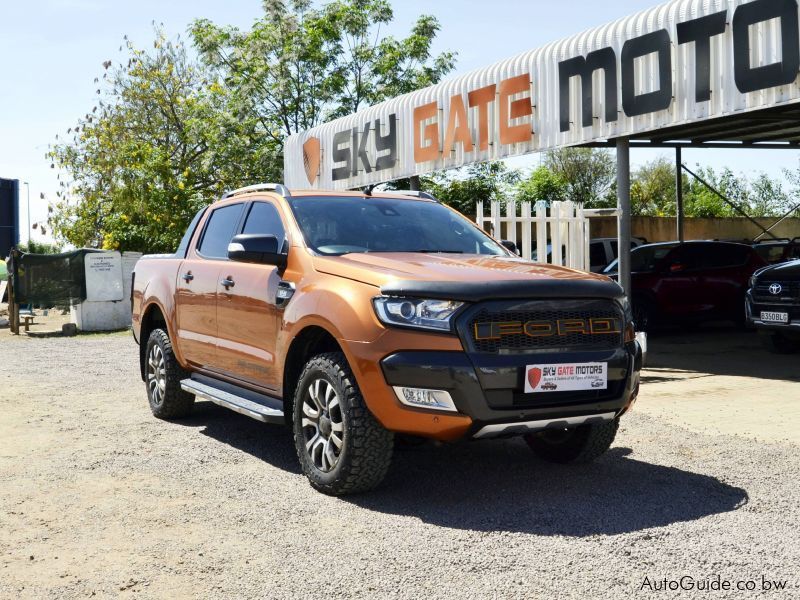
511	223
526	230
541	231
479	219
497	225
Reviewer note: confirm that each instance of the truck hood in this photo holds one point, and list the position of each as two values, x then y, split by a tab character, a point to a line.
465	277
788	271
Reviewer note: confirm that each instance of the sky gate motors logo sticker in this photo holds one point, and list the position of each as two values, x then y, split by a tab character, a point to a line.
566	377
698	31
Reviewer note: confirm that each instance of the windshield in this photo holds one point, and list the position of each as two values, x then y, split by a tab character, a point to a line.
643	258
342	225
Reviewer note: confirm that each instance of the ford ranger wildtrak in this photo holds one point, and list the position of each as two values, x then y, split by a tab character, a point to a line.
355	316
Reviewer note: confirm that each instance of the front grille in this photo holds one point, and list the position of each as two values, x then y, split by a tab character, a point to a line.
520	326
789	291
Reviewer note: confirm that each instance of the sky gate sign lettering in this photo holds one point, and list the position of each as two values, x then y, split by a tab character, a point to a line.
706	60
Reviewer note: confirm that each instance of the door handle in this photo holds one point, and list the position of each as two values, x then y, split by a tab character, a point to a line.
187	277
227	283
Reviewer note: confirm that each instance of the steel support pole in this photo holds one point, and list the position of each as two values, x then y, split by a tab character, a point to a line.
414	183
624	216
679	191
28	186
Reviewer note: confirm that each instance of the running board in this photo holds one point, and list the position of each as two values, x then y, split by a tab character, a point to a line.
505	429
257	406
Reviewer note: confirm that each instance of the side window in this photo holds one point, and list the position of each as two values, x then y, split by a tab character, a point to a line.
264	219
721	256
597	254
220	229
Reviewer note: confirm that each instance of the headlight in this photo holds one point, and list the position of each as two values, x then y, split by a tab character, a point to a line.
415	313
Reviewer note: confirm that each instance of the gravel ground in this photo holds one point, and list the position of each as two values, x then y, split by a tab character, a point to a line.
99	498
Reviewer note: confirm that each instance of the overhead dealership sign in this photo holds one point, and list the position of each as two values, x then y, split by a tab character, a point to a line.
682	62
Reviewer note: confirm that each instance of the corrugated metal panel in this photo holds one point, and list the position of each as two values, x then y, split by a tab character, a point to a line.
542	66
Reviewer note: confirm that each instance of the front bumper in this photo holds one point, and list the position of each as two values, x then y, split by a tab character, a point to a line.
489	388
754	308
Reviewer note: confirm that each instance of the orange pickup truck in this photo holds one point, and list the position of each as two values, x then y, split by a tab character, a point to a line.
355	316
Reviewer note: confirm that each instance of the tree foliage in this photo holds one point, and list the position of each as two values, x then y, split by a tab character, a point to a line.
151	152
588	174
464	188
170	133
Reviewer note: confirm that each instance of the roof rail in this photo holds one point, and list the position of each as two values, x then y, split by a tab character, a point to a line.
414	193
260	187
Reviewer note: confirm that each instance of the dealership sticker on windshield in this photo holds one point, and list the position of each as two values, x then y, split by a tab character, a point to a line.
566	377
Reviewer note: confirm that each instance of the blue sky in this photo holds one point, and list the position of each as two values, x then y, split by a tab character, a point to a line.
51	51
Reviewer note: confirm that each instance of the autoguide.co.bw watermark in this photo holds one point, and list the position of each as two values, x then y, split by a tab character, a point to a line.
713	584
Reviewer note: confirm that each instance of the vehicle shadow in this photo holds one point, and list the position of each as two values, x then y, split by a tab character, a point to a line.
270	443
715	351
501	486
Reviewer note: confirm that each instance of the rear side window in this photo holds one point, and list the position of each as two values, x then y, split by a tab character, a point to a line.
220	229
727	255
264	219
597	254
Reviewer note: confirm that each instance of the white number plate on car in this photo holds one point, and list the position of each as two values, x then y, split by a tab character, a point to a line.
774	317
566	377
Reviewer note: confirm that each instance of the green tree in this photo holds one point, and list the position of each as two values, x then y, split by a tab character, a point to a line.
299	66
653	189
157	147
542	184
463	188
587	172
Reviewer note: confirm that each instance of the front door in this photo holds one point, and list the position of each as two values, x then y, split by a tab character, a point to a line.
247	314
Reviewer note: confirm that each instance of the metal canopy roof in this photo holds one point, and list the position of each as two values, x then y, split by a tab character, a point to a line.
769	128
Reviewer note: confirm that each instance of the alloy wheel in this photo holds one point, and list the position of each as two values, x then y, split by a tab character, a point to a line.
156	374
323	428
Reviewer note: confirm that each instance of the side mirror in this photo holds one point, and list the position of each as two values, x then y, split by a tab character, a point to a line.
256	248
511	246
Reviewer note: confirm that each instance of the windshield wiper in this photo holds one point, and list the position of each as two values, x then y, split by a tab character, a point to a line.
438	251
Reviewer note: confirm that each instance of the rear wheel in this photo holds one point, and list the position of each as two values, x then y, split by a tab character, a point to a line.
777	343
163	377
341	447
579	445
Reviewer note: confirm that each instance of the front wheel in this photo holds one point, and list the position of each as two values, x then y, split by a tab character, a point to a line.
581	444
341	447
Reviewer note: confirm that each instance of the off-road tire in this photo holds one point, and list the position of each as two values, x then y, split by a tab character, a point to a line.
582	444
172	402
777	343
366	450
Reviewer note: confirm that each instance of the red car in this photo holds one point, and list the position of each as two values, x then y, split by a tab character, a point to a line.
690	282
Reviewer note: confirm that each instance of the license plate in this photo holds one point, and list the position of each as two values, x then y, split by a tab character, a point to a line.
774	317
566	377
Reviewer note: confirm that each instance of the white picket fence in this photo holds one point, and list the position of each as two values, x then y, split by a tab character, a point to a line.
565	227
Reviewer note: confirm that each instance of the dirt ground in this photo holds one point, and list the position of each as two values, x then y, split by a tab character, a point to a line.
97	498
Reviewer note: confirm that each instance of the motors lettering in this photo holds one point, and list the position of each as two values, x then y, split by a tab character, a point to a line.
560	327
699	32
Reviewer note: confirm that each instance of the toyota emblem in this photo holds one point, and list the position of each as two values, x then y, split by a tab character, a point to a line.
775	289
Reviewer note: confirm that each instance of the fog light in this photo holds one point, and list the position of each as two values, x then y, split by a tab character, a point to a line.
424	398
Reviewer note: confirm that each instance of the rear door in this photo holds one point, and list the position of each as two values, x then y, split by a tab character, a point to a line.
724	277
246	310
677	291
196	287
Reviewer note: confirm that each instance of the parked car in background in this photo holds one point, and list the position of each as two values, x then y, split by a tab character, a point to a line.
689	282
778	251
773	306
603	251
